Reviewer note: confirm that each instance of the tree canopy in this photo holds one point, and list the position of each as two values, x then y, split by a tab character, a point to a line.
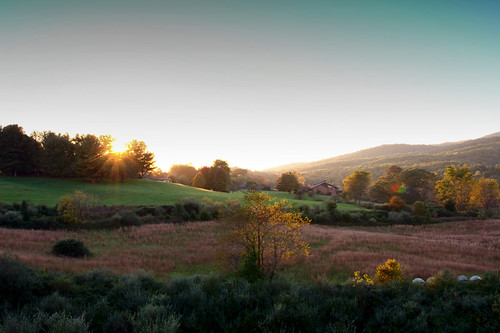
88	157
261	236
356	184
288	182
455	186
19	153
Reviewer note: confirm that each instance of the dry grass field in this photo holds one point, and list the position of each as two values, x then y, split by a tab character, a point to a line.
170	249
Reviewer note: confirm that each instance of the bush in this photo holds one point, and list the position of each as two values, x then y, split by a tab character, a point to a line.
396	203
19	283
131	219
204	216
389	272
191	205
400	217
11	218
75	208
420	211
55	303
155	319
70	248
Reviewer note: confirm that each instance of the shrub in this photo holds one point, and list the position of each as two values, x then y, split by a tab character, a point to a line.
396	203
11	218
420	211
70	248
131	219
389	272
75	208
19	283
331	207
155	319
55	303
191	205
204	216
400	217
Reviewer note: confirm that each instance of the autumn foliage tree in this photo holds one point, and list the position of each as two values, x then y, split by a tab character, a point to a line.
75	208
261	236
456	186
356	184
485	195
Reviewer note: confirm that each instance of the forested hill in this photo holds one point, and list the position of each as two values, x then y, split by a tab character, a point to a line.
481	155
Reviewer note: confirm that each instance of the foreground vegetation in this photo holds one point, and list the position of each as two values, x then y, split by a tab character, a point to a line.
98	301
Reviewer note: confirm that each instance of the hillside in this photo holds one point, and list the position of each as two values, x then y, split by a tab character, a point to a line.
47	191
481	154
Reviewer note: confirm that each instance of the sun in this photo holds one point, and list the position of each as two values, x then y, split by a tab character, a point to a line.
118	146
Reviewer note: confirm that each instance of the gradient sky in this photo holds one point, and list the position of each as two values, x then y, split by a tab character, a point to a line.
256	83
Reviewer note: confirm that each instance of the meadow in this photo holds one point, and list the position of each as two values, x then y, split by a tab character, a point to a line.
169	250
47	191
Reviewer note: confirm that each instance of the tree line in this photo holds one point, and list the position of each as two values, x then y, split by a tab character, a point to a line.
459	190
87	156
218	177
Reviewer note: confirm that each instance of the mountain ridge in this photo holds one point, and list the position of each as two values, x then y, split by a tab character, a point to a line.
481	153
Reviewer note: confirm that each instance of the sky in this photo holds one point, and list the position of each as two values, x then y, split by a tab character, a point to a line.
256	83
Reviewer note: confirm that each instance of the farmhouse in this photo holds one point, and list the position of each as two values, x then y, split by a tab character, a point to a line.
323	187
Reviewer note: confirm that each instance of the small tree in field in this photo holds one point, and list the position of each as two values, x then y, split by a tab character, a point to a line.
75	208
261	236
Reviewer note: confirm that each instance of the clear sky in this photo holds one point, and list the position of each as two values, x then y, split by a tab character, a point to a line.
256	83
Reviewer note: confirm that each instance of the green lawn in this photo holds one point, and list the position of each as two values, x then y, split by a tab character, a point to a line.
134	192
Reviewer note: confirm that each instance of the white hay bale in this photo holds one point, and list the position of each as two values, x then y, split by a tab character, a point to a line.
418	280
462	278
475	278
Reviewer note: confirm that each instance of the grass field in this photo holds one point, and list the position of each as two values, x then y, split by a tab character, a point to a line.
167	250
131	193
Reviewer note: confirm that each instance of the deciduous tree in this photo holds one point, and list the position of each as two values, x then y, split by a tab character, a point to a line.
75	208
288	182
182	173
485	194
199	181
220	176
356	184
419	184
262	235
456	186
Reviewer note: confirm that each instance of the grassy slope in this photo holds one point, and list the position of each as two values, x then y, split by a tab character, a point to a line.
135	192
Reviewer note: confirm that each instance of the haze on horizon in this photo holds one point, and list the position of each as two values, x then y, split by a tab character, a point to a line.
257	83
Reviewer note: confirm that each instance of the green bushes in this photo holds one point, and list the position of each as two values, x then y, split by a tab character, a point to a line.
19	283
70	248
101	302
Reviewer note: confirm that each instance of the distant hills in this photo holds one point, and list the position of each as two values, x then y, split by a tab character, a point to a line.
481	155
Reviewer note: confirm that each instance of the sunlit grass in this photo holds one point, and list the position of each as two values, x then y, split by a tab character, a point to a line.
130	193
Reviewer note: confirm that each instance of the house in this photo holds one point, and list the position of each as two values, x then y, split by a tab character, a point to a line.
323	187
